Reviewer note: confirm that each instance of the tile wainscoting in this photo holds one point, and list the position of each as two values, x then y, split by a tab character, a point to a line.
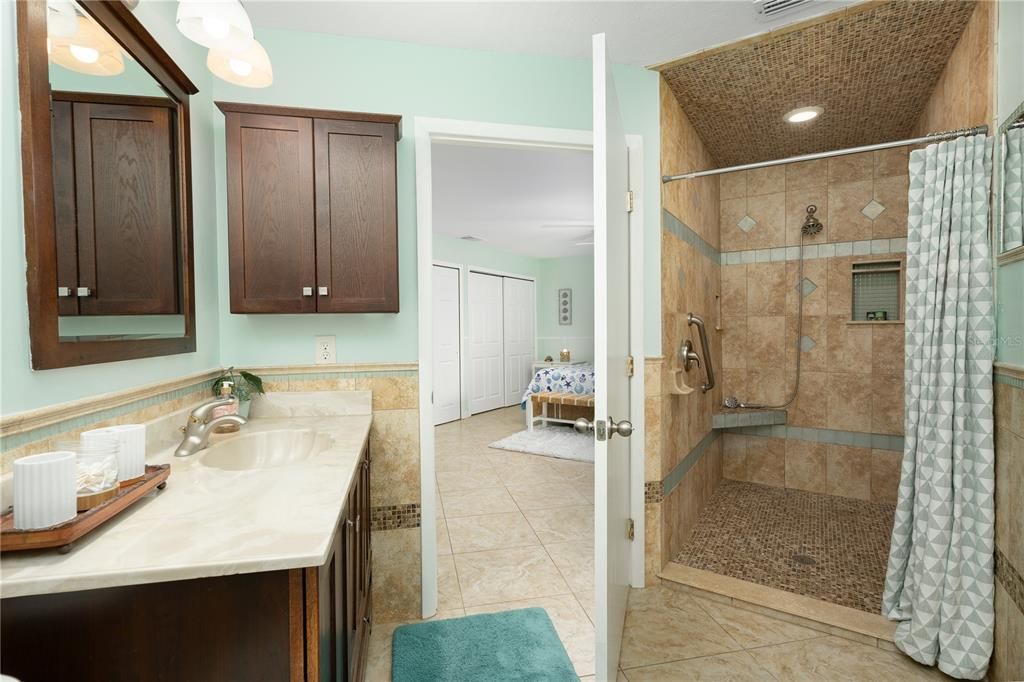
1008	659
394	447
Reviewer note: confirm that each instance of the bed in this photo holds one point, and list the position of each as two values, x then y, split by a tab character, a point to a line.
559	395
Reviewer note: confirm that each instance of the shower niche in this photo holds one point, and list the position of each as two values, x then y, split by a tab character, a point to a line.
877	291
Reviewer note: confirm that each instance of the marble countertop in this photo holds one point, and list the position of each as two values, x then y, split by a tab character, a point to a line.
211	522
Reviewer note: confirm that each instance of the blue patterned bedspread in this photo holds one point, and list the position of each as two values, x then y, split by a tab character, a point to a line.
577	379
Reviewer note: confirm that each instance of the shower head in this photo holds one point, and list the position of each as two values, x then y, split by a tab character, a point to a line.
812	225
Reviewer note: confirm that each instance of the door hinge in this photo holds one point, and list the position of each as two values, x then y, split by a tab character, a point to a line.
630	366
630	529
629	201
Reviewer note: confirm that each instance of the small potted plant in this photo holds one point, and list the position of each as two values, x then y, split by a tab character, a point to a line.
244	386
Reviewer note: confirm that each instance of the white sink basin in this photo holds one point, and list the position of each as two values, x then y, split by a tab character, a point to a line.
265	449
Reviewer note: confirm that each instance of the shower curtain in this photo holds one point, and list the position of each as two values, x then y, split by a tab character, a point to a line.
1013	193
939	582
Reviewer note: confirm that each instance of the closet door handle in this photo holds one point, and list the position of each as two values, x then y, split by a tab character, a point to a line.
82	292
307	291
63	292
322	291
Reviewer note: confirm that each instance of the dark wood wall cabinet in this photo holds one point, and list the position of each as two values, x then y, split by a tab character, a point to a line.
301	625
312	210
114	203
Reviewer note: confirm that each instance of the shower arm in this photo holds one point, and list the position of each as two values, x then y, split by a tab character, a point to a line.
705	347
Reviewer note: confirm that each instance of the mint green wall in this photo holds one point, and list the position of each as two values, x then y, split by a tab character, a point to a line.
1010	93
576	273
334	72
20	387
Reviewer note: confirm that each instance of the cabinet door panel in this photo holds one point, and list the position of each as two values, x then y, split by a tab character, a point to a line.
356	216
126	209
65	221
270	213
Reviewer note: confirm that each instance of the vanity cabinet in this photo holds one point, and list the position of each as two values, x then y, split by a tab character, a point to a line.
114	204
312	210
301	625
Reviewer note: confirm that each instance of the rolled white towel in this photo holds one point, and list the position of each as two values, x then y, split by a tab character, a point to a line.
131	458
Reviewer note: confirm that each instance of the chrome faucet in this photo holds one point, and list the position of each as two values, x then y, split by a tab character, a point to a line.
200	425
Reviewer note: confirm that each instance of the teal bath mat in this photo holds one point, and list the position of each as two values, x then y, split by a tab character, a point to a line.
490	647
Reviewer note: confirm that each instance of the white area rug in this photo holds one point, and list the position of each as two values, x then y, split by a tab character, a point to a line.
551	441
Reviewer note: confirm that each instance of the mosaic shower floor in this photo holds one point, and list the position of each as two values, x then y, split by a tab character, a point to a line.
829	548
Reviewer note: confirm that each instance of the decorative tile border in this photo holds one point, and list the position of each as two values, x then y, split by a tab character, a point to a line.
1010	578
675	476
864	247
1007	379
652	492
877	441
395	516
685	232
741	417
28	427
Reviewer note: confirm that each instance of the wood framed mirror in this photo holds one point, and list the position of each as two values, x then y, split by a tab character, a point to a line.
106	171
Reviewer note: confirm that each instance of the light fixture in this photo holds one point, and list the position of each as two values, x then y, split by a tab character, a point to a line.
90	50
216	24
803	114
61	19
249	68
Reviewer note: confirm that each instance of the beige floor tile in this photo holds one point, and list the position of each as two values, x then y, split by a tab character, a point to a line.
477	501
504	575
733	667
664	625
563	524
518	473
586	600
586	490
754	629
839	660
462	459
449	595
444	544
449	481
378	656
492	531
572	623
575	561
547	495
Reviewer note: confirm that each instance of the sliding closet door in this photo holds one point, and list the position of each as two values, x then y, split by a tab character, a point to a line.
519	337
447	360
486	355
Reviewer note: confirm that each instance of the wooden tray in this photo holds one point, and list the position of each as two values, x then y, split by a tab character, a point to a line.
64	534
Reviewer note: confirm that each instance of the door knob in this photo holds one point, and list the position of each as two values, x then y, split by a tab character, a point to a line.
583	425
623	428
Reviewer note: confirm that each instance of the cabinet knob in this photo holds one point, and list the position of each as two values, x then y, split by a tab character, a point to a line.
322	291
82	292
307	291
63	292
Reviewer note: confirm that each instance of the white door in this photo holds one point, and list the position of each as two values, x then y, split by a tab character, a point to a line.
486	355
447	356
611	382
520	313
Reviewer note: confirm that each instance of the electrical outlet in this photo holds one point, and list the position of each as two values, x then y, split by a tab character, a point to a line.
324	348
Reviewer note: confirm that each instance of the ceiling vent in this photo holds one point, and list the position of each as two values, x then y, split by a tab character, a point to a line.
770	9
470	238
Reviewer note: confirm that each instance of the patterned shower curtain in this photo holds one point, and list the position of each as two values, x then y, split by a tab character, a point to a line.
939	583
1013	191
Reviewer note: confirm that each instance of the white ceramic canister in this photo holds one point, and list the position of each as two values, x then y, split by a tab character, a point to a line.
45	490
131	458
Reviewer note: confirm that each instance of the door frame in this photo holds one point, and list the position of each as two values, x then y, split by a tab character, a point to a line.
463	273
428	131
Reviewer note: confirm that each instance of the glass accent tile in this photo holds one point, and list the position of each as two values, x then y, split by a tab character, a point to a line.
873	209
746	223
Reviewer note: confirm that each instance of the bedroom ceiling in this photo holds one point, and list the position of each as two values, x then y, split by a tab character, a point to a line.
534	202
639	33
871	67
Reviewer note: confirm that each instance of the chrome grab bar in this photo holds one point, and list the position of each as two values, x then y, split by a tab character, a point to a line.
705	347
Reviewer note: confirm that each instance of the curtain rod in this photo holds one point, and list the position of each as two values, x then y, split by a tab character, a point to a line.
931	137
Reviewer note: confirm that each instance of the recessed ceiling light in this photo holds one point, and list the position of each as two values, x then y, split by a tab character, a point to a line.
803	114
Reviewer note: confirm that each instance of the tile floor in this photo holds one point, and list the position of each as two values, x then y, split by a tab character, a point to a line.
516	531
821	546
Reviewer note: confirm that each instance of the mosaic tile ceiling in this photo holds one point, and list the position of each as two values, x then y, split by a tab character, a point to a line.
872	68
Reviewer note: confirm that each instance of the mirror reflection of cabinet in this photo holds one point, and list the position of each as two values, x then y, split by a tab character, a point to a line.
107	186
1011	185
114	205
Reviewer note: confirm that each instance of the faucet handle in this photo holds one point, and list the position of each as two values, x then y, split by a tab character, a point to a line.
201	414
